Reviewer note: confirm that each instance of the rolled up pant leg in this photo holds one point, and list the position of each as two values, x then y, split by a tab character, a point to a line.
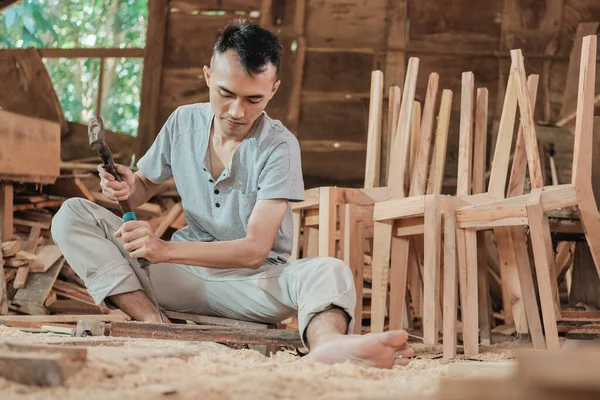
276	292
85	232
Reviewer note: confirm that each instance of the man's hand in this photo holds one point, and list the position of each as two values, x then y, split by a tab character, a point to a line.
141	242
113	189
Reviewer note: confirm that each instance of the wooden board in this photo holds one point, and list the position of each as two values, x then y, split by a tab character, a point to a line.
30	299
70	186
47	257
207	320
39	139
228	335
26	86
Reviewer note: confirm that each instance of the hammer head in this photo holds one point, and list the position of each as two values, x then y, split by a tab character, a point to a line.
96	133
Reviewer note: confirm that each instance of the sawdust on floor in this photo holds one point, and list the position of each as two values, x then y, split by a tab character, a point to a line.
147	369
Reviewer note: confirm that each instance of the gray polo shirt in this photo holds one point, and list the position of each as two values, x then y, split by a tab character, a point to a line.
266	165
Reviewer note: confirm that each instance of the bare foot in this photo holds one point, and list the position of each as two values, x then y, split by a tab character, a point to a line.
380	350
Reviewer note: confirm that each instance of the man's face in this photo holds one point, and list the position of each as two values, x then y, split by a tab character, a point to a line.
238	99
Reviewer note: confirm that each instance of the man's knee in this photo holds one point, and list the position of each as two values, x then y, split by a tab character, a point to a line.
334	269
62	221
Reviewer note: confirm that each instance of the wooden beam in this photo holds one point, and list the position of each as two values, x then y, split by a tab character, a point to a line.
30	300
217	321
372	168
207	333
158	12
295	102
92	53
400	146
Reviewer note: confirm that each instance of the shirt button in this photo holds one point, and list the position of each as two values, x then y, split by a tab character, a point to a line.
211	181
217	205
216	191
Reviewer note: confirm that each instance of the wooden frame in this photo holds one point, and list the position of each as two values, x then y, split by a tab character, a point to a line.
530	209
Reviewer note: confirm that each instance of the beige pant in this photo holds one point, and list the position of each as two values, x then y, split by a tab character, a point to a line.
85	233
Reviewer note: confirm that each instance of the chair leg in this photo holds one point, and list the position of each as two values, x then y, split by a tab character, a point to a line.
541	243
450	287
470	309
327	221
352	250
398	278
431	269
519	240
382	241
483	290
511	287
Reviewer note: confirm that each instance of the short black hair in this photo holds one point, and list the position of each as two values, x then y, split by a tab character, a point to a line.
255	46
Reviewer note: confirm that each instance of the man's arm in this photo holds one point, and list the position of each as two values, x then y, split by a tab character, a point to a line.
248	252
143	189
134	187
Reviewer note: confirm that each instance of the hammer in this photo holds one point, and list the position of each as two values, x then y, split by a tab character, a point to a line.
97	137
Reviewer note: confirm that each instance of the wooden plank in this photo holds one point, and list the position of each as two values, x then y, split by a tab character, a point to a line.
398	264
295	101
39	139
526	113
544	265
352	252
400	145
582	152
203	333
158	12
464	173
47	256
480	146
431	268
438	162
372	168
394	99
14	320
217	321
418	184
327	221
30	300
380	265
450	287
297	217
26	87
75	307
30	246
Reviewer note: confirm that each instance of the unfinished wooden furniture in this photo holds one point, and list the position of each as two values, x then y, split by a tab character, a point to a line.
318	214
410	213
472	265
529	210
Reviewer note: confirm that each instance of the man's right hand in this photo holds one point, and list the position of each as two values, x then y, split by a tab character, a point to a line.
113	189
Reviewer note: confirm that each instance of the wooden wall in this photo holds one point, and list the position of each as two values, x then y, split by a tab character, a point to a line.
325	82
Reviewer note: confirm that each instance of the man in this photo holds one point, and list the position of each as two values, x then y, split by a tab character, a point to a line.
236	170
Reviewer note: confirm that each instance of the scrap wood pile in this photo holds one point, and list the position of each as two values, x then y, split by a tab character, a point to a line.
38	279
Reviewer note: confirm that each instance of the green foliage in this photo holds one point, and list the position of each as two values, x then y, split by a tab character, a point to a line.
85	23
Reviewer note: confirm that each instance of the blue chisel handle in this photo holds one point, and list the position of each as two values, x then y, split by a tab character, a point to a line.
130	216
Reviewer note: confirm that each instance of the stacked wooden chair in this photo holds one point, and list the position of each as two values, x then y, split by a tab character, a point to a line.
529	210
317	216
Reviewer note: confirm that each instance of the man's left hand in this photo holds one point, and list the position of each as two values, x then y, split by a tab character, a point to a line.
141	242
